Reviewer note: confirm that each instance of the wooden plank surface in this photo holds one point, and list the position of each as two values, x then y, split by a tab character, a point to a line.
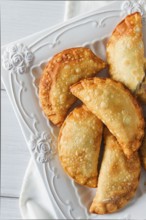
14	152
22	18
9	208
19	19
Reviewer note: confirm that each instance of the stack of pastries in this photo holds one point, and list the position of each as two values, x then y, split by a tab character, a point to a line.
111	110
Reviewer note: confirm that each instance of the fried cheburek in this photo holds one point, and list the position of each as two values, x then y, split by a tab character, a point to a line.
63	70
118	178
125	53
115	106
79	145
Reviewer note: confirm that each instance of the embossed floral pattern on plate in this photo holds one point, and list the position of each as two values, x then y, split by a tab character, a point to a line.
17	58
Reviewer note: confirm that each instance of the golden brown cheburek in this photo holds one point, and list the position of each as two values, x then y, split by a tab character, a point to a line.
63	70
142	151
118	178
79	145
114	105
125	53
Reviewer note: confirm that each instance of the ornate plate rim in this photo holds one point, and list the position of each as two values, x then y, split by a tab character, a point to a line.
17	59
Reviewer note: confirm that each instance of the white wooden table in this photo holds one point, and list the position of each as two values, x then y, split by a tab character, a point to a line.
19	19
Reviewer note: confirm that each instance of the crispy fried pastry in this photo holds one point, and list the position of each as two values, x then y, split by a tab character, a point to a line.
63	70
125	52
79	144
114	105
118	178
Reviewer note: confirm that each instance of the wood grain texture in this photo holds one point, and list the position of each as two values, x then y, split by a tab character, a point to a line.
19	19
23	18
9	208
14	152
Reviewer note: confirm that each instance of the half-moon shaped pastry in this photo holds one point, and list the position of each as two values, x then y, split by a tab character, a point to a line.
143	152
118	178
79	145
114	105
63	70
125	52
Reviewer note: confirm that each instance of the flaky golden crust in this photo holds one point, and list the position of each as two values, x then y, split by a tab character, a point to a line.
63	70
125	52
115	106
118	178
142	151
79	145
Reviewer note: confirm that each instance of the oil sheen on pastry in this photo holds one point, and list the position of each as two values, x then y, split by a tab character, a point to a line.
118	178
115	106
79	145
125	52
63	70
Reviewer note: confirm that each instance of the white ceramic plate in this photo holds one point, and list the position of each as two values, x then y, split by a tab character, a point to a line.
23	62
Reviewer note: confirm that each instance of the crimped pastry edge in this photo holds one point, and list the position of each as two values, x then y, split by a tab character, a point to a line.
90	182
46	76
139	138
